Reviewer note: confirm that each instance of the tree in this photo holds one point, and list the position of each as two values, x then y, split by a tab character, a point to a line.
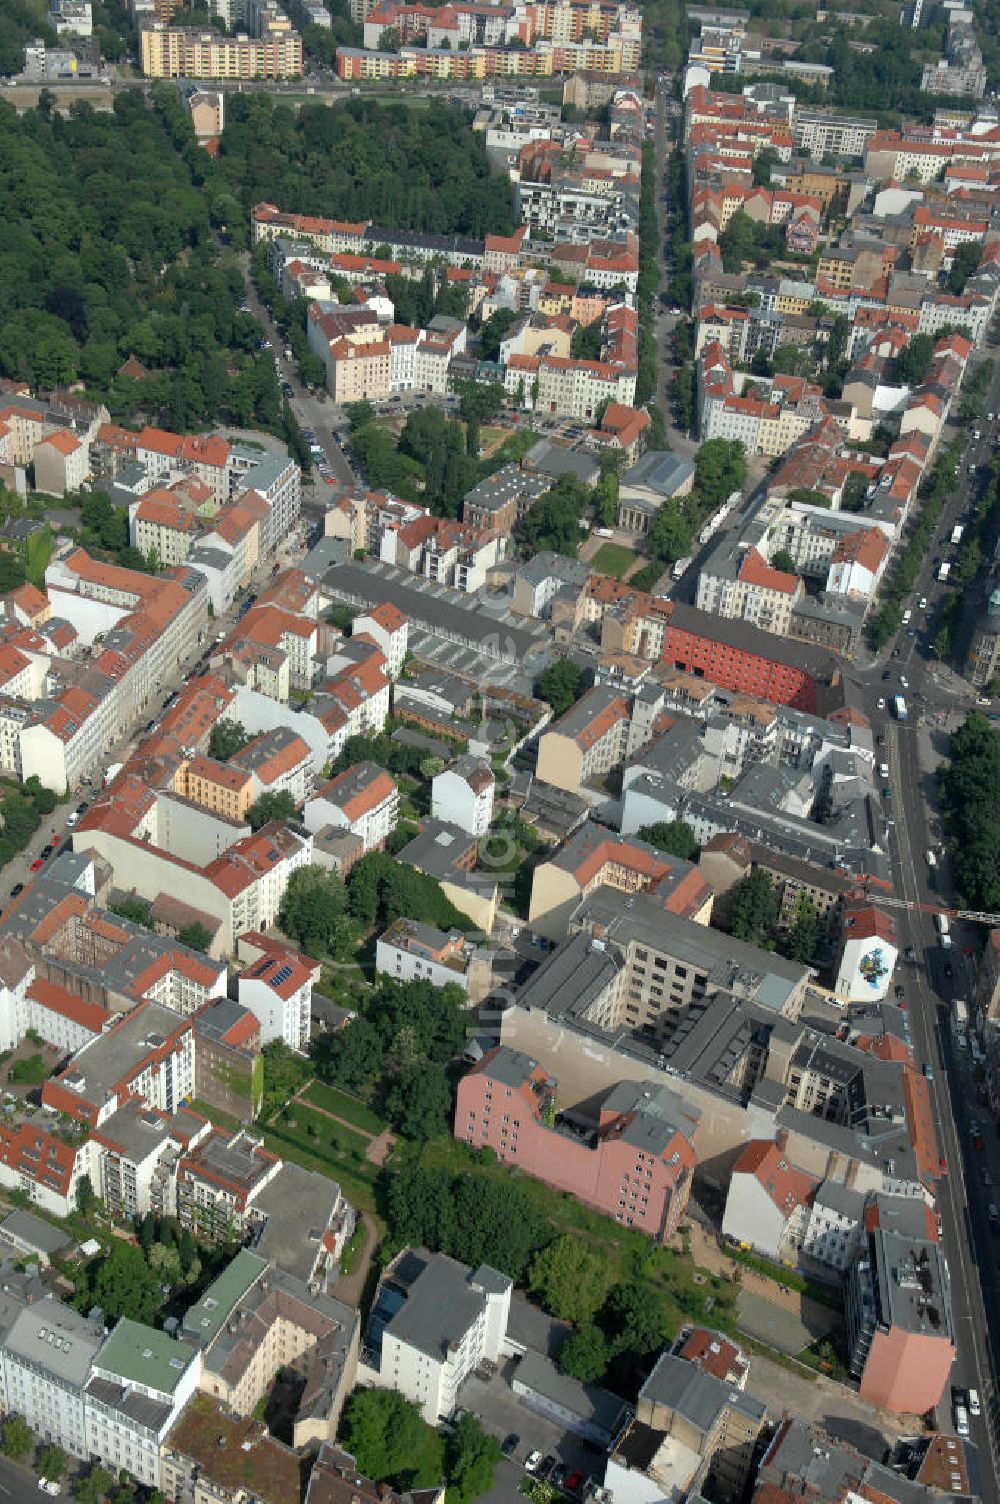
92	1486
965	259
633	1319
85	1197
271	806
470	1458
419	1103
560	685
855	492
553	522
123	1285
313	909
754	908
18	1439
384	1433
913	362
762	164
569	1278
782	559
493	330
52	1463
585	1354
227	738
673	836
359	414
195	936
803	938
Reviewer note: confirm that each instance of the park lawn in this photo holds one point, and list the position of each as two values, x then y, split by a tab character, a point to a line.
315	1131
216	1116
613	559
626	1254
490	438
346	1107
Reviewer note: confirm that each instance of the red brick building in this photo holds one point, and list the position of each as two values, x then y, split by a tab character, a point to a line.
635	1164
735	655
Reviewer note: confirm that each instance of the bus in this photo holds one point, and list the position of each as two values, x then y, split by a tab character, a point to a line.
680	567
899	707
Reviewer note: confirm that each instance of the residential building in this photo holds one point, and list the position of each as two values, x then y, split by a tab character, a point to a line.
363	799
47	1357
633	1160
183	52
140	1380
411	951
900	1335
587	741
450	1320
462	795
767	1205
277	990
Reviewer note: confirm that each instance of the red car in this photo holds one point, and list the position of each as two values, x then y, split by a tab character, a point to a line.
572	1484
943	1165
37	864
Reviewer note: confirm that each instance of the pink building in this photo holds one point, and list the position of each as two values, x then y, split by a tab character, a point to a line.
634	1164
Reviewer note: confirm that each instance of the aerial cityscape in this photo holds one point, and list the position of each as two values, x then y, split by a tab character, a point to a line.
499	752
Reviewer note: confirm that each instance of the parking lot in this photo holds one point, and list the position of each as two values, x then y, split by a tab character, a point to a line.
503	1413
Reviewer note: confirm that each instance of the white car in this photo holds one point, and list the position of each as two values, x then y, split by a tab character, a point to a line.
974	1405
531	1462
923	603
881	702
48	1486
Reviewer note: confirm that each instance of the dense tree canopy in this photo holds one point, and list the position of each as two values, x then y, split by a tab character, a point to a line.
367	160
560	685
970	796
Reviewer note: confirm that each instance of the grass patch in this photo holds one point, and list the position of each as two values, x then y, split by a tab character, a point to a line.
313	1128
613	559
31	1071
217	1116
346	1107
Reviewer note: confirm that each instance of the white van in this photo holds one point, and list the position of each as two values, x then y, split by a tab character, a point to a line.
974	1406
907	617
941	924
930	859
961	1419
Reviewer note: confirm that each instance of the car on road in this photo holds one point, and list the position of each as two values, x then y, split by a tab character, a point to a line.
573	1482
509	1444
881	703
959	1411
948	969
993	1212
987	1178
898	991
922	604
531	1462
886	675
928	1073
904	682
975	1408
910	953
895	653
16	889
942	1165
48	1486
37	864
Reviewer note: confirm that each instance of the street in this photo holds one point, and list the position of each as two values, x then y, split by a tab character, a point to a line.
936	977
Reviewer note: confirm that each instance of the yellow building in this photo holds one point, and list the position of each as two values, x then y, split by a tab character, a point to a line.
183	52
216	786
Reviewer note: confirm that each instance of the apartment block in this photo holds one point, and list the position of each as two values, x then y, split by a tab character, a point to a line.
633	1161
183	52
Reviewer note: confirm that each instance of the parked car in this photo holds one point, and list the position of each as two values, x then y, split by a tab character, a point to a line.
545	1467
573	1483
509	1444
16	889
531	1462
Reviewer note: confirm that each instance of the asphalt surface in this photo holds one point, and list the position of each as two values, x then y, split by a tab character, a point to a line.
934	696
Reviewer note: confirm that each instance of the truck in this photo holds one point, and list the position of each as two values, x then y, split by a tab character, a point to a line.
680	565
944	570
956	533
899	707
960	1021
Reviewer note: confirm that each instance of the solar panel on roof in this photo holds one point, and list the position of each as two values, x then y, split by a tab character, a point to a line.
280	976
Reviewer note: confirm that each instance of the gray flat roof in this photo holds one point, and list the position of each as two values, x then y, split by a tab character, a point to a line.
440	1307
589	1402
439	610
57	1340
437	849
31	1232
659	470
106	1060
570	979
299	1205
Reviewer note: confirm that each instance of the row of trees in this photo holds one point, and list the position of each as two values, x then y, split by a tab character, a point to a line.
969	787
935	490
326	914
